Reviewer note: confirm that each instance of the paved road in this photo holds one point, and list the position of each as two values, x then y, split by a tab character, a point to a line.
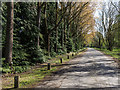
92	70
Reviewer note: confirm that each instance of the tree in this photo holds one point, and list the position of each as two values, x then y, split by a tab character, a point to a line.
98	40
54	27
117	24
105	24
9	32
56	6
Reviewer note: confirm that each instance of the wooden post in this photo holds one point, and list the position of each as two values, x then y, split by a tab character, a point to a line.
60	60
72	54
49	66
16	82
68	57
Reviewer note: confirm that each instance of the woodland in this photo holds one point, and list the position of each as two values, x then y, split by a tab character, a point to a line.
35	32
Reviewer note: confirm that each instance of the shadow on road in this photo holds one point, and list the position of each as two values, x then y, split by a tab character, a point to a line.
93	69
97	68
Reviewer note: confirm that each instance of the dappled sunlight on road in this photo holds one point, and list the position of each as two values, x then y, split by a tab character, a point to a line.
92	70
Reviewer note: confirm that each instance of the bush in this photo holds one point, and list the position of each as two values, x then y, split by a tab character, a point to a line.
48	58
20	62
4	64
18	52
53	54
20	69
5	70
61	50
39	56
24	63
70	45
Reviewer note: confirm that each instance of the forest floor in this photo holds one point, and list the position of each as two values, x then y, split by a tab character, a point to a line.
38	73
93	70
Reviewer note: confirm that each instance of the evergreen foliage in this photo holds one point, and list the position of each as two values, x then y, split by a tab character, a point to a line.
60	31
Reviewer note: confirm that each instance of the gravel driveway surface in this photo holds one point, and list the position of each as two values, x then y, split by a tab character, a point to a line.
92	70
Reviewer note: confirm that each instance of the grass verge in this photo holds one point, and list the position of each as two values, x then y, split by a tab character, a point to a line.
115	53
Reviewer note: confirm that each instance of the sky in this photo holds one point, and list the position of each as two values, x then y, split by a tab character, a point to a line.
98	8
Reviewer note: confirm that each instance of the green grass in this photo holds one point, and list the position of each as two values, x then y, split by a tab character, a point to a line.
114	53
35	75
28	79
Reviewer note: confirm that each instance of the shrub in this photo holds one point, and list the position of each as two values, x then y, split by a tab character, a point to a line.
20	69
5	70
39	56
53	54
70	45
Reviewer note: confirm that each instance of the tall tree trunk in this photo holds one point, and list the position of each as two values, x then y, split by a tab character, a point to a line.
9	32
56	29
77	40
68	20
49	44
67	29
64	33
99	43
62	42
118	31
38	21
46	30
